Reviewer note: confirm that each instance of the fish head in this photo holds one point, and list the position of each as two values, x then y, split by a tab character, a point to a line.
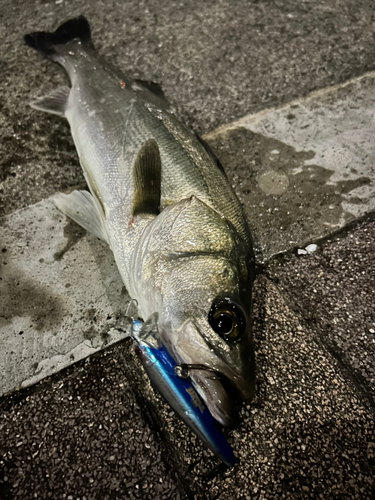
209	328
196	273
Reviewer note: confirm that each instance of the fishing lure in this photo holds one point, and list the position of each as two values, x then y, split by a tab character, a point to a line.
172	383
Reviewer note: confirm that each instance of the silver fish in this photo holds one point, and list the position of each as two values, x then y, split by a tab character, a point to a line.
162	203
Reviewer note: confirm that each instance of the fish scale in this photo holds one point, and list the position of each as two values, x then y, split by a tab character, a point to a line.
189	178
142	125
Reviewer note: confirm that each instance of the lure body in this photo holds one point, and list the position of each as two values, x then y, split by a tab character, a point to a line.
180	394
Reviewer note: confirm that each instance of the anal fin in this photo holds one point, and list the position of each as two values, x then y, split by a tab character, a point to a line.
54	103
83	208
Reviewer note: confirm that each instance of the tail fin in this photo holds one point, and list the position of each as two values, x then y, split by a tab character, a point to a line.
45	43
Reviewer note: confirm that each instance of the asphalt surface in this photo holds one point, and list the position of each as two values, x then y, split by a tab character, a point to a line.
333	290
96	430
83	434
307	434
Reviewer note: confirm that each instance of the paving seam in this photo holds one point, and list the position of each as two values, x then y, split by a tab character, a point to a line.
149	412
242	122
151	415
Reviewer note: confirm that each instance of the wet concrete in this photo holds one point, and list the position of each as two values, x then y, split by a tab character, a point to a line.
54	305
216	61
284	205
306	169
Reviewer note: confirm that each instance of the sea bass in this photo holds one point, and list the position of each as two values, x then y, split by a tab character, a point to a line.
161	201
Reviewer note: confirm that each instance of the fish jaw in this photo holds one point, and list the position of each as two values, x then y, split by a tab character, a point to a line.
230	374
216	398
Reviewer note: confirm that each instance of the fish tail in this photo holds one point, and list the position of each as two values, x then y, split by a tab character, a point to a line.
48	43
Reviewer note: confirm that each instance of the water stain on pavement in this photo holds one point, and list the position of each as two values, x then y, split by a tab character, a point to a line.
21	295
287	200
73	233
272	182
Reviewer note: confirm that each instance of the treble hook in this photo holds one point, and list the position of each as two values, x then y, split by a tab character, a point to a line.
131	303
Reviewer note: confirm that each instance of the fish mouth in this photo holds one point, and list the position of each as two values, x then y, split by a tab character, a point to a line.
222	382
219	393
214	389
222	395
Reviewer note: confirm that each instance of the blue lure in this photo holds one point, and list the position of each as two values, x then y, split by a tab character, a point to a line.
179	392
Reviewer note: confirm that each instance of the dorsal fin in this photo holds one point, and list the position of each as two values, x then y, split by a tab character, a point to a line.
147	179
152	87
207	147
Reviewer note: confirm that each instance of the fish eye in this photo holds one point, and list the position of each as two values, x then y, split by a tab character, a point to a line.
226	319
225	323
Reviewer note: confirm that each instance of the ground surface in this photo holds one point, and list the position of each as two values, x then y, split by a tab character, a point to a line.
96	429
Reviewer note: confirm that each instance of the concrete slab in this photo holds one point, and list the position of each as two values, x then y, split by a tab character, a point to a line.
306	169
333	289
61	298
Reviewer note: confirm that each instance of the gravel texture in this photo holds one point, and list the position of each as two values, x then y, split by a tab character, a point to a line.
333	289
308	433
82	434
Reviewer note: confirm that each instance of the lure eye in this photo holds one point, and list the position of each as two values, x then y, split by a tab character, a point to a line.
226	319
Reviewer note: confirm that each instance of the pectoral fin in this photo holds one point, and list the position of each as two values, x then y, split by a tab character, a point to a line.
54	103
147	179
85	209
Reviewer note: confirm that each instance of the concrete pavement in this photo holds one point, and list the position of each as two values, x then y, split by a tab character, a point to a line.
311	163
60	300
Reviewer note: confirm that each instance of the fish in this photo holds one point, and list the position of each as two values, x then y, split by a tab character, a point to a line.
178	392
160	199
